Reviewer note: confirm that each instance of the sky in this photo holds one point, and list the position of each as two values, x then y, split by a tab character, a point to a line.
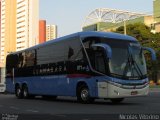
69	15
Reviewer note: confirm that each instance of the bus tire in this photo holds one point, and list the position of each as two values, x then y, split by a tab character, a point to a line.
18	92
25	92
83	95
116	100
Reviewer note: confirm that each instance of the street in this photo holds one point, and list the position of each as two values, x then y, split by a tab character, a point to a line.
63	106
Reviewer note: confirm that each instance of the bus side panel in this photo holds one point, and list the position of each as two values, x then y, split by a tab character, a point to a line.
40	85
53	85
10	87
45	85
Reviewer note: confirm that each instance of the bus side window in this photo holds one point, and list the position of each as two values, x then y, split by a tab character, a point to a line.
20	60
97	59
30	58
11	63
70	52
90	53
100	62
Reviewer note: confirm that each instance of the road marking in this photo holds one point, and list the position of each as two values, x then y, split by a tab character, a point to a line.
34	111
13	107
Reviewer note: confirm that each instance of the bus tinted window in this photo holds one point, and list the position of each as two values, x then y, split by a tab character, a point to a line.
30	58
12	61
68	50
21	60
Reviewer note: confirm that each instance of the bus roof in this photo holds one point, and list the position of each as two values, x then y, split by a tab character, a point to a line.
85	34
106	35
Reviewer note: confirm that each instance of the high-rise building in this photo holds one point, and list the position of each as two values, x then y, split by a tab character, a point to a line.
27	23
19	27
156	10
0	19
8	28
8	35
51	32
0	33
42	31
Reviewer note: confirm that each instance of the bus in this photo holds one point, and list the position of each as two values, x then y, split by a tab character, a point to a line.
86	65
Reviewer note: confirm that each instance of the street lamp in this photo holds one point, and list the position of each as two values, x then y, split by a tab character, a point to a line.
125	29
124	25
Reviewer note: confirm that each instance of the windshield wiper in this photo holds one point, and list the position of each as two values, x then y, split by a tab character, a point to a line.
136	67
127	67
131	66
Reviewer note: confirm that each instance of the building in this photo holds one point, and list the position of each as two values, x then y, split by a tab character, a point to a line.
27	23
8	35
0	33
0	45
156	10
8	28
156	14
157	27
42	31
19	28
51	32
106	19
19	25
0	20
108	26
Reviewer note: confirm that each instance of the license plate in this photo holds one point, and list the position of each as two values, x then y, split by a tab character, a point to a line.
134	93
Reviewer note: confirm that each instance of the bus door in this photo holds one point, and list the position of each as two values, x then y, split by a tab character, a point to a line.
99	62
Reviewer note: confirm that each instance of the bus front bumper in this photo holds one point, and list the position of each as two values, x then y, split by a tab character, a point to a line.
108	90
120	92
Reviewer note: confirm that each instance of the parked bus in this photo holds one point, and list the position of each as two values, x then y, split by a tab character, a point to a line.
88	65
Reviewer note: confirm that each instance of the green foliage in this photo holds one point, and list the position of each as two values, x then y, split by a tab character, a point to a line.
147	39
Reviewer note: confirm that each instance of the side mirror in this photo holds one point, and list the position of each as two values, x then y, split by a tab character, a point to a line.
153	54
106	48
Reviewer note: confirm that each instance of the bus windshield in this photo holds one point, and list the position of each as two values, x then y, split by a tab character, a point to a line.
127	60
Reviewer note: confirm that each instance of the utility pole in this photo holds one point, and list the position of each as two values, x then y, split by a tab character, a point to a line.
125	29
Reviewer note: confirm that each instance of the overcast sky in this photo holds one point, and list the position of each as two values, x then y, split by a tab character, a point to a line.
69	15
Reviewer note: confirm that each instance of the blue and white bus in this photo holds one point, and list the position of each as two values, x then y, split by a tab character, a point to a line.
88	65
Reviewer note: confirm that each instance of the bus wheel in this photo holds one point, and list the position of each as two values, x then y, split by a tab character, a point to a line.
25	92
83	95
18	92
116	100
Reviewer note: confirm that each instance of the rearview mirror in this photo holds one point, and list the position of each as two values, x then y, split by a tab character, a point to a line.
107	49
153	54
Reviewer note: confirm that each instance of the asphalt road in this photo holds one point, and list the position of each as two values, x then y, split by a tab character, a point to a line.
67	106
